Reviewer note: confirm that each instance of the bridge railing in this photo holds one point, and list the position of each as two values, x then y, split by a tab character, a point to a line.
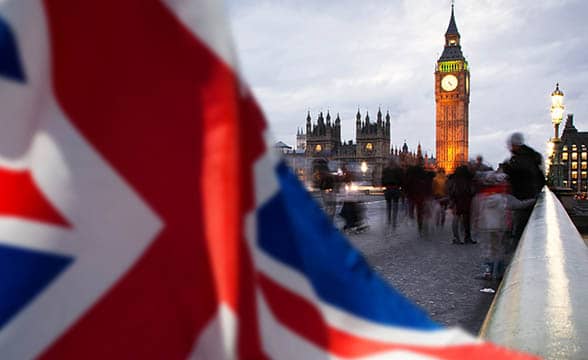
542	304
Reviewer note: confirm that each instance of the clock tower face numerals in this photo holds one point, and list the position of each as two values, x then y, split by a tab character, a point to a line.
449	82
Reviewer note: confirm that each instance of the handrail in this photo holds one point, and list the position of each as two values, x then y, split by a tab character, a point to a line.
542	304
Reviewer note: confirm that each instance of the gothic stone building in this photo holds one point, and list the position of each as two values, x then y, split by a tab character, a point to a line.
372	143
452	98
573	157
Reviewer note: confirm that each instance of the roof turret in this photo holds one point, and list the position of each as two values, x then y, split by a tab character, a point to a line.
452	28
452	50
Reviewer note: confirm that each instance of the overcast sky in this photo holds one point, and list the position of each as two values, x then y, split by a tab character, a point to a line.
340	55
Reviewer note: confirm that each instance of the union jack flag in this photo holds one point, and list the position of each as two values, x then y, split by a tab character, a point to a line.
143	214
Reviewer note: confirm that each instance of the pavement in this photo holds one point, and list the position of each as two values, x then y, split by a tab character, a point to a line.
429	270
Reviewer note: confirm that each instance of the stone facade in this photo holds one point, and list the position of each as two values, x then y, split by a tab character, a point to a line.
571	164
372	143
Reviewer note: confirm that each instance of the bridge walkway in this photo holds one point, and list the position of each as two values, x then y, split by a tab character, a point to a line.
439	276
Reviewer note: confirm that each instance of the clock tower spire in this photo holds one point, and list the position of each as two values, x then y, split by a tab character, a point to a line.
452	98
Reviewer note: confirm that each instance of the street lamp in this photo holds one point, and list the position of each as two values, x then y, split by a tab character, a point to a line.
557	110
363	167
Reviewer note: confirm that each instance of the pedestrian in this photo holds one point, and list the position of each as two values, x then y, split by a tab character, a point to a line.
490	220
525	174
480	166
326	183
440	196
392	177
419	188
460	189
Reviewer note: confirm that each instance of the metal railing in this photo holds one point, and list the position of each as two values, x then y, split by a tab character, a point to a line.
542	304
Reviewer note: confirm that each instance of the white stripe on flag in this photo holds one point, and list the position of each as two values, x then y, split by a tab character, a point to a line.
38	236
218	340
208	21
281	343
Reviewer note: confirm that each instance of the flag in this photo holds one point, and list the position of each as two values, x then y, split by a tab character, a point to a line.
143	214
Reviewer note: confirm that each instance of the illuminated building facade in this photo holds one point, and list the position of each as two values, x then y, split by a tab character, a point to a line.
452	98
573	157
371	147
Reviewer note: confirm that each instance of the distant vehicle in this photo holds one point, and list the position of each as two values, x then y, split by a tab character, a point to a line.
364	187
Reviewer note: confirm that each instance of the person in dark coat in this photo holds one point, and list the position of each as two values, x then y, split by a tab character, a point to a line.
392	177
525	174
460	189
419	189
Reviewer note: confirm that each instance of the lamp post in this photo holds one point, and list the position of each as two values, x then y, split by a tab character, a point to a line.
556	111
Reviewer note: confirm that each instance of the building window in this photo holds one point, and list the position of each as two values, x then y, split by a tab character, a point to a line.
574	147
584	156
574	156
574	176
584	174
584	165
574	165
565	183
565	148
564	156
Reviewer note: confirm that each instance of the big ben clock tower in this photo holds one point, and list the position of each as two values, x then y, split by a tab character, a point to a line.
452	98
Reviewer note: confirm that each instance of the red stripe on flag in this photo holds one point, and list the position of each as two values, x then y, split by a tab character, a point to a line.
22	198
144	92
303	318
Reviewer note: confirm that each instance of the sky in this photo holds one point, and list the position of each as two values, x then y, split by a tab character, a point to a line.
343	55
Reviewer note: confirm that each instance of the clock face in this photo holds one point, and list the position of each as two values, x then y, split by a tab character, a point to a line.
449	82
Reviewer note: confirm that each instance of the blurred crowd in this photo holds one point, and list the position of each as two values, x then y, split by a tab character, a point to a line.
487	205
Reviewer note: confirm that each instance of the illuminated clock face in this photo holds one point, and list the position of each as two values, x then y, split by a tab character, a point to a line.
449	82
369	147
318	148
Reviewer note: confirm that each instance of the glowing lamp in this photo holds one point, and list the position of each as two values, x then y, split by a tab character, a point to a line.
557	108
363	167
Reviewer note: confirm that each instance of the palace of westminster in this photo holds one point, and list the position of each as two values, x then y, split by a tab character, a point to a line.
371	151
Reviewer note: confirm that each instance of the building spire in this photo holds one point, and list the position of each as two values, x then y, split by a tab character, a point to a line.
452	50
452	28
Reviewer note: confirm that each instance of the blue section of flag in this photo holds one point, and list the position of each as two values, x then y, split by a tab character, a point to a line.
24	274
294	230
10	64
